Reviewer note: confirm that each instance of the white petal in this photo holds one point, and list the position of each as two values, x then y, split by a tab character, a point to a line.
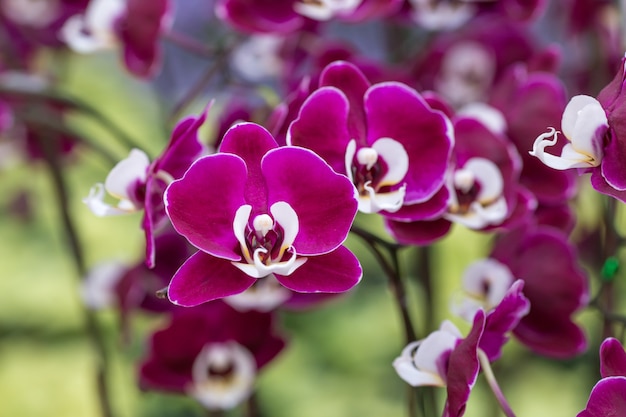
217	392
414	376
431	349
588	131
97	290
396	158
126	173
287	218
350	152
265	295
488	175
486	282
489	116
375	202
479	216
240	226
571	113
569	159
95	203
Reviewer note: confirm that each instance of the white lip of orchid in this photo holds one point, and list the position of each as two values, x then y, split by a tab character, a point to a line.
223	392
418	362
121	178
584	123
33	13
255	267
258	58
265	295
485	283
325	9
438	15
489	207
397	160
97	290
93	30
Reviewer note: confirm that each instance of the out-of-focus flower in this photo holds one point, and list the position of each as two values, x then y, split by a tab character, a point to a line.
384	137
444	359
607	397
254	210
140	184
136	24
285	16
212	353
554	284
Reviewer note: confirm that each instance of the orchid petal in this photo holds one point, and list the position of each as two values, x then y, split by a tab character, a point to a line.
126	173
394	154
95	203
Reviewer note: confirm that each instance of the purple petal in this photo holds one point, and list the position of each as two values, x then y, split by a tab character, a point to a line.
607	399
419	233
322	126
272	16
598	182
430	209
612	358
205	278
323	200
334	272
202	204
251	142
398	112
374	9
503	319
351	81
463	367
154	214
184	146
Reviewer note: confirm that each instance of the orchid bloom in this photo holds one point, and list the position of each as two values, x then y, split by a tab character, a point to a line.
385	137
139	184
135	24
607	397
325	9
255	210
584	124
444	359
216	364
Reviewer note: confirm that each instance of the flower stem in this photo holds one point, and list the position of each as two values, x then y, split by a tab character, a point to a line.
50	153
493	383
188	43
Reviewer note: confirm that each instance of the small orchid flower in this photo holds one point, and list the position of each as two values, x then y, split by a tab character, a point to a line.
595	129
135	24
444	359
584	124
216	364
555	285
255	210
385	137
139	184
607	397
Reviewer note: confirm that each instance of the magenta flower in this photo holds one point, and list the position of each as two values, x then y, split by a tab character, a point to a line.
444	359
212	353
607	397
139	184
284	16
254	210
384	137
136	24
554	284
596	133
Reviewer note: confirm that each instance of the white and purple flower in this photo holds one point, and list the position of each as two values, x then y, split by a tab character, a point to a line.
255	210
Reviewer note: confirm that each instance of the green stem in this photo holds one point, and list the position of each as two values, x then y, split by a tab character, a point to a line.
91	325
493	384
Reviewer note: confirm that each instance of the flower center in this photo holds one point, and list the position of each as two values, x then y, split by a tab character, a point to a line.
267	243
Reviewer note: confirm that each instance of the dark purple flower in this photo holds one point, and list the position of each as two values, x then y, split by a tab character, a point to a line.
607	398
139	184
384	137
212	353
445	359
554	284
255	209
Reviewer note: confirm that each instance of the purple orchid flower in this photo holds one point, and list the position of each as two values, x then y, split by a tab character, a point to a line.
444	359
554	284
136	24
595	129
607	397
212	353
253	210
285	16
139	184
384	137
482	190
